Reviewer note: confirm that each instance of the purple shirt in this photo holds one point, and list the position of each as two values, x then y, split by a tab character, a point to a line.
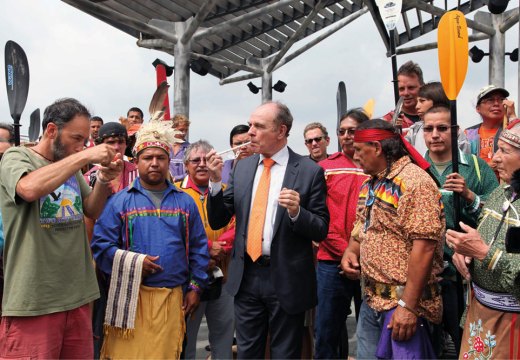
177	169
226	170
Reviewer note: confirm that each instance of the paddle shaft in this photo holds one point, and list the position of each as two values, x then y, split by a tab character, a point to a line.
455	160
394	65
16	126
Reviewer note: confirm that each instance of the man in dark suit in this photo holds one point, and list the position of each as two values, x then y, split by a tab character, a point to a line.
272	291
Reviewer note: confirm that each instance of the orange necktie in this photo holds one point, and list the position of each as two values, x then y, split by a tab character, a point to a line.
257	216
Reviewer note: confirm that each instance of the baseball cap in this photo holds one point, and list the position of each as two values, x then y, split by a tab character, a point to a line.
486	90
111	129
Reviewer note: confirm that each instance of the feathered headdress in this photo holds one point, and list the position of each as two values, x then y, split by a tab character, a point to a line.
157	133
156	108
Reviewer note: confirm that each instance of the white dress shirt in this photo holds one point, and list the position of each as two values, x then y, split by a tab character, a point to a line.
281	159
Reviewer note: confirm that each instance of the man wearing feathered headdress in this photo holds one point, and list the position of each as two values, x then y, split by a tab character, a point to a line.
151	242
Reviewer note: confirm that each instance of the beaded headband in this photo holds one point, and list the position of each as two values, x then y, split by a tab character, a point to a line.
510	138
147	144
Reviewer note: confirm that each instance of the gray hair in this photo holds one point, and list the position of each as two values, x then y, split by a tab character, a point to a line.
201	144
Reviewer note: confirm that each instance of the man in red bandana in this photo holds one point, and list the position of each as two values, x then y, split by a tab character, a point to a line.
396	246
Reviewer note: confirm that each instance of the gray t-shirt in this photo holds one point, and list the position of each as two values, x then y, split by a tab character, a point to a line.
441	166
48	266
156	196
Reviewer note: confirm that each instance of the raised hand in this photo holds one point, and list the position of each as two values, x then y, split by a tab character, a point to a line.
215	163
102	154
468	242
456	183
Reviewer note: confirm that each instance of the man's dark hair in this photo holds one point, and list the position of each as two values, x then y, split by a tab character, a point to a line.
283	117
96	118
357	114
135	109
237	130
62	111
433	91
410	68
437	109
9	128
392	148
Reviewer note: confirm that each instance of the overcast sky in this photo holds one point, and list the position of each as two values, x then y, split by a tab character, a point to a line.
72	54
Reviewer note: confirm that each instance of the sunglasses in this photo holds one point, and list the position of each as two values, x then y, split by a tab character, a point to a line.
197	161
317	139
350	132
440	128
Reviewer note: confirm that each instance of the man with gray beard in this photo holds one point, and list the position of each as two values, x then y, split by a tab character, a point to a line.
48	270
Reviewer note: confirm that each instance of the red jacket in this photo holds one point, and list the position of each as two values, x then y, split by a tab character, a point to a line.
344	181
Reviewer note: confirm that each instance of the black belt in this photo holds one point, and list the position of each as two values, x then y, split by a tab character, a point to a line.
262	261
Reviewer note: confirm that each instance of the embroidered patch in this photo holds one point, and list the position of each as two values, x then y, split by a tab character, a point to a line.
480	348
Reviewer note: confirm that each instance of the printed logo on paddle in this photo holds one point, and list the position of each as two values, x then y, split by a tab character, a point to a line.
63	208
10	76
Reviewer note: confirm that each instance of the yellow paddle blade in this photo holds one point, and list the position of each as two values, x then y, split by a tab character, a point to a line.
452	39
369	108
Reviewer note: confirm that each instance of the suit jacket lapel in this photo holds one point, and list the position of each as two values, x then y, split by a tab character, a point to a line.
291	174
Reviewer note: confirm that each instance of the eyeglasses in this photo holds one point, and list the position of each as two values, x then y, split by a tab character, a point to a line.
197	161
492	100
349	132
317	139
440	128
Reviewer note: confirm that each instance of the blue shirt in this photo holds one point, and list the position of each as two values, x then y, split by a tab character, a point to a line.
130	221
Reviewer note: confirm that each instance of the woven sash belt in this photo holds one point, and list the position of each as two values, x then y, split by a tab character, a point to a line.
496	301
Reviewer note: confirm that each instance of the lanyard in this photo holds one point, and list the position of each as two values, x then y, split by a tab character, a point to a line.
505	208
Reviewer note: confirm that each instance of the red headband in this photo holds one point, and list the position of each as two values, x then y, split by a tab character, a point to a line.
369	135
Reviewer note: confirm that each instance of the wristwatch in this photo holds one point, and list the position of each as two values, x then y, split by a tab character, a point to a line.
402	304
